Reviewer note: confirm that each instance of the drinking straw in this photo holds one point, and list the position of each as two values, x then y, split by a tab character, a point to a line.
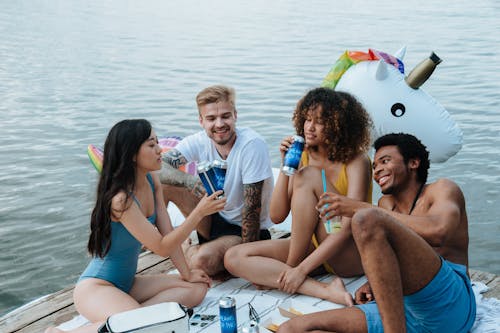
323	178
328	225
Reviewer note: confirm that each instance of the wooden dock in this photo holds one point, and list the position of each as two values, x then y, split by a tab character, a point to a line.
54	309
57	308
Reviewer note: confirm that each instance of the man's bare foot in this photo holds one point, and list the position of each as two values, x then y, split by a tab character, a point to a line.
338	294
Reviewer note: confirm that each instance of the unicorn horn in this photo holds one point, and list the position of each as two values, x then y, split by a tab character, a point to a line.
382	71
422	71
401	53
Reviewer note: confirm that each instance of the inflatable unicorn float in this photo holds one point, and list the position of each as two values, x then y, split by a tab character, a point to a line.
396	102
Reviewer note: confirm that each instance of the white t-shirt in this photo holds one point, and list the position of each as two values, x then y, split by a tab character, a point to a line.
248	162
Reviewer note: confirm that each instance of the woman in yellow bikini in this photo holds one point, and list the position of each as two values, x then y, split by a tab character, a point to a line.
336	129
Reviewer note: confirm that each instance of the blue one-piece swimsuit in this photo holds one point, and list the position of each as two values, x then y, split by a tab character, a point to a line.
120	263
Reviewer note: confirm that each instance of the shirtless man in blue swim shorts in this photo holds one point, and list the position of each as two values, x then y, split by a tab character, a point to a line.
414	250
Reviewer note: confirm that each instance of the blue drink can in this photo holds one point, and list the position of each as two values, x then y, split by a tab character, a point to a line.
207	177
293	155
220	168
227	314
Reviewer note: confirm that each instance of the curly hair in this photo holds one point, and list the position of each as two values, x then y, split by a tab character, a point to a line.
347	124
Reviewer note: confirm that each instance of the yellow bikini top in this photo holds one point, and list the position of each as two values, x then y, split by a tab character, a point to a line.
342	184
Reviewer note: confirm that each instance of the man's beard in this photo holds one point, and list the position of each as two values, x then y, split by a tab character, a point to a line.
389	190
222	142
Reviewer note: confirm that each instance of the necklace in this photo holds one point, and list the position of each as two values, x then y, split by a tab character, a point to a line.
416	198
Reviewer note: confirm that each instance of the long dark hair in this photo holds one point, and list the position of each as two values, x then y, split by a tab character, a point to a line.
118	174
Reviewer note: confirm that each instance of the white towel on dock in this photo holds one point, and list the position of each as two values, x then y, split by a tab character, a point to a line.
488	311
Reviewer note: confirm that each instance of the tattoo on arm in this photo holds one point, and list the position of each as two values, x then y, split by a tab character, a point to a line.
174	158
196	187
250	224
170	175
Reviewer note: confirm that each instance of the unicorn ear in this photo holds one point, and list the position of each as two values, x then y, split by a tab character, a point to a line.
382	71
401	53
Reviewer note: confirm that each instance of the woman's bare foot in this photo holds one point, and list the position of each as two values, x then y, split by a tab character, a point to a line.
338	294
53	329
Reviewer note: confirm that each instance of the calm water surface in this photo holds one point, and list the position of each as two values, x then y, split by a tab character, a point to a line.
71	69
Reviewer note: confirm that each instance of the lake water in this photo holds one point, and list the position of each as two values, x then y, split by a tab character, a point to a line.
70	69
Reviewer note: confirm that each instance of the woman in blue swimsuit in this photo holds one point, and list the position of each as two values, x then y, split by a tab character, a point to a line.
129	213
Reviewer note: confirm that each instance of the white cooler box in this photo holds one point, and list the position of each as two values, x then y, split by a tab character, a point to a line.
159	318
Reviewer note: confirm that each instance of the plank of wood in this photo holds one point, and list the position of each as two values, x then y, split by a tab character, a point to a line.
489	279
484	277
160	268
40	308
148	259
494	288
55	319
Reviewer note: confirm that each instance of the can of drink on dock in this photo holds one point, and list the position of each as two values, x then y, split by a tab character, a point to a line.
208	177
292	157
227	314
220	168
252	327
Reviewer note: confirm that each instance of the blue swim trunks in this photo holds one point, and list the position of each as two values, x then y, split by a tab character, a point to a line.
447	304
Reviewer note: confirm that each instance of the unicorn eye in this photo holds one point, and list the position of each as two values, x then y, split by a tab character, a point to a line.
398	110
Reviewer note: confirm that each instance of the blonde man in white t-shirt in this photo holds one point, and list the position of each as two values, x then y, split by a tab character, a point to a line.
248	184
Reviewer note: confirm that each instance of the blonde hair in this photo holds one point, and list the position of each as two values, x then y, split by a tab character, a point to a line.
215	94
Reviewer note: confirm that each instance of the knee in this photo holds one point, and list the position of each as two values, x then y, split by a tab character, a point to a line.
366	224
234	257
305	177
200	261
196	294
209	260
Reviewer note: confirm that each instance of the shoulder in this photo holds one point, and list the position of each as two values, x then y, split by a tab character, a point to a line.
192	145
445	188
248	135
360	167
360	161
251	143
156	181
444	185
120	201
